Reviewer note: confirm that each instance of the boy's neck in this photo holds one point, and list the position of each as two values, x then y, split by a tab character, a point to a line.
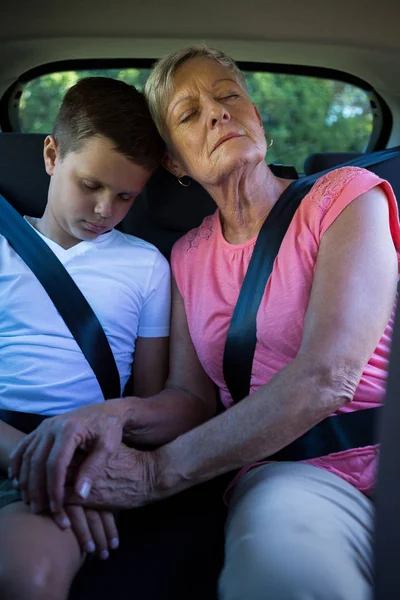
48	227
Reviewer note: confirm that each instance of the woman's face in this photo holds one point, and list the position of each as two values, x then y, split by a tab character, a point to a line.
213	127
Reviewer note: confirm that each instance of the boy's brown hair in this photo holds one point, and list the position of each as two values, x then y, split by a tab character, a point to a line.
101	106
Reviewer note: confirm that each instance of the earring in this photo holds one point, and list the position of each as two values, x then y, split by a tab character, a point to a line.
185	184
271	140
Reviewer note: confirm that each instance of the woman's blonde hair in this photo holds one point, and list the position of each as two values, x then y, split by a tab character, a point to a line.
160	84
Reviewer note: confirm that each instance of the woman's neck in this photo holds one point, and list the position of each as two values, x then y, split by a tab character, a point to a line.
245	200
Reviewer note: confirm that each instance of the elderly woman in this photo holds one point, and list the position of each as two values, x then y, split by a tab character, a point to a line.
295	529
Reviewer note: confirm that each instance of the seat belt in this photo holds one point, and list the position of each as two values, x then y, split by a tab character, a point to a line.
336	433
387	494
65	295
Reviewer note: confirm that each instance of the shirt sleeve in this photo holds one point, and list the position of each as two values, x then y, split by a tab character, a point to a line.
336	190
154	320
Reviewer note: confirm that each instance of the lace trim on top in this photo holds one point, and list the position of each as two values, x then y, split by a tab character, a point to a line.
326	189
198	235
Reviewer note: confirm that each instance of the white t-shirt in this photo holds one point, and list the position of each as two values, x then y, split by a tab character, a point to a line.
42	369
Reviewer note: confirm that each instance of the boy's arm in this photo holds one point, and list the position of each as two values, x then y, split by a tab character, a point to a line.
150	368
9	440
150	365
189	397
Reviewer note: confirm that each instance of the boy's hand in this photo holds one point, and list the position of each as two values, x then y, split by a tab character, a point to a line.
41	460
95	530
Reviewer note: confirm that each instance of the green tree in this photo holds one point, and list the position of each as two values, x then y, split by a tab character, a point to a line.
308	114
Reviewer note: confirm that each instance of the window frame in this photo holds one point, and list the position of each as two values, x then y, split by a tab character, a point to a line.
382	118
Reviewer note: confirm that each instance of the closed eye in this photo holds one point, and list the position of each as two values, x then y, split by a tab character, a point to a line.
127	197
89	185
229	97
188	117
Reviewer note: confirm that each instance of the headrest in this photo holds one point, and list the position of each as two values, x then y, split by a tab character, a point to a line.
389	169
23	179
166	210
174	206
325	160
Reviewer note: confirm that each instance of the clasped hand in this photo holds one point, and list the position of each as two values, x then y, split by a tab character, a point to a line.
76	467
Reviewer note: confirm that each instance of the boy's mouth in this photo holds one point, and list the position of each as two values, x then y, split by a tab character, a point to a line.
96	228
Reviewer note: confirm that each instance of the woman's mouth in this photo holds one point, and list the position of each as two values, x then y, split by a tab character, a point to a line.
226	138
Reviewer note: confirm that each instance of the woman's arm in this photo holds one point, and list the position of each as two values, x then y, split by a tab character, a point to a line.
351	301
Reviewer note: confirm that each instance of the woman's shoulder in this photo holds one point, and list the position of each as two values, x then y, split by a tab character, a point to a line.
334	191
329	186
198	237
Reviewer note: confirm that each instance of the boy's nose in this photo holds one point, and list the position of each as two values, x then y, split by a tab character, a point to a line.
103	208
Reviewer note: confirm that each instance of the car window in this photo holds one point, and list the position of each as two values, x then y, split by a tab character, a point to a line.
309	114
302	114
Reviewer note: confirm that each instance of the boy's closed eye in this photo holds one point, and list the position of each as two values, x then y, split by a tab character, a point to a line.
91	185
127	196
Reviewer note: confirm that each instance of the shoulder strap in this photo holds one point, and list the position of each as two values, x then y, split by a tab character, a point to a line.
387	494
241	339
66	296
242	336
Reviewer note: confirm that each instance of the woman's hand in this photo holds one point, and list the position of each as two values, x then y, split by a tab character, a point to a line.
130	478
40	462
95	530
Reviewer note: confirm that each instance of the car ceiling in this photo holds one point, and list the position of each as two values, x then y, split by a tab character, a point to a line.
347	35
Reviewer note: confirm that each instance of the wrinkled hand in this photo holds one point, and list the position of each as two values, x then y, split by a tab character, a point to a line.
40	462
95	530
129	478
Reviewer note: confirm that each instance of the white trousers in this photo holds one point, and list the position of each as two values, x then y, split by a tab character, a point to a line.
296	532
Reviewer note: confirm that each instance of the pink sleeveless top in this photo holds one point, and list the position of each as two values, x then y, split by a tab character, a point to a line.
209	272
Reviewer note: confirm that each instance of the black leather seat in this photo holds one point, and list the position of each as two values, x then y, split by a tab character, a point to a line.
319	161
389	169
23	179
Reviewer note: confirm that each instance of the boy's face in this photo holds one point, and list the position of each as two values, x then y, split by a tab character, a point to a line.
90	191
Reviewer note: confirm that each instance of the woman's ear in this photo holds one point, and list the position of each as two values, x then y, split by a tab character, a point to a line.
50	154
258	115
173	166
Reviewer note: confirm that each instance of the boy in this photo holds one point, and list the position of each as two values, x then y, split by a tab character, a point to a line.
102	152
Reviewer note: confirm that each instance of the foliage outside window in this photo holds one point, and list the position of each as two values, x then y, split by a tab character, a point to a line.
303	114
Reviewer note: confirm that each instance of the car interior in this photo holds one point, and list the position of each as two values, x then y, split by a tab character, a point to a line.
347	41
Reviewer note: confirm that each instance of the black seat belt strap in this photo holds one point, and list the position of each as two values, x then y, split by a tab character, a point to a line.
65	295
387	494
241	341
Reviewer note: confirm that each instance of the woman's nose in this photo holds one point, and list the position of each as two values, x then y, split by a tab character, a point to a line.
218	114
